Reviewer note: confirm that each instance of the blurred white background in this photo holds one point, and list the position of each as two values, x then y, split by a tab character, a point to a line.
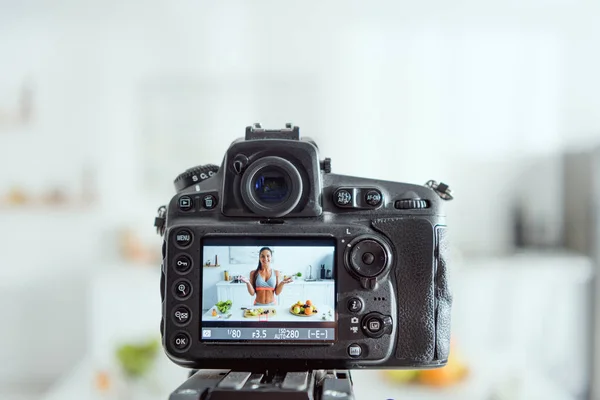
102	104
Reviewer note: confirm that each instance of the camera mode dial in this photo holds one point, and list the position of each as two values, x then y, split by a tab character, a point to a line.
195	175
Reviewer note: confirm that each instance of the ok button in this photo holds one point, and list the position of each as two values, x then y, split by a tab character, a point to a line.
183	264
181	341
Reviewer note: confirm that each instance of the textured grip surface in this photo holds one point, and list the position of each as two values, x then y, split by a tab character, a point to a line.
413	240
443	295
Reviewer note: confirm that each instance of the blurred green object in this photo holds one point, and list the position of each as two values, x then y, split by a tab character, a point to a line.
137	359
298	274
224	306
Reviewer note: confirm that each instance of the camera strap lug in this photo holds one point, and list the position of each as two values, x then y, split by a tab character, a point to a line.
441	189
160	220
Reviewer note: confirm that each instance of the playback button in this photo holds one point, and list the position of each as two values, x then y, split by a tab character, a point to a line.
185	203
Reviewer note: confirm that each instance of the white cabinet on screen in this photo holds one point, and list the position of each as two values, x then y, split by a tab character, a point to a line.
236	292
321	293
291	293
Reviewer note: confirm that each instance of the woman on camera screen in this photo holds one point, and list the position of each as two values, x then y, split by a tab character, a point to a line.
264	282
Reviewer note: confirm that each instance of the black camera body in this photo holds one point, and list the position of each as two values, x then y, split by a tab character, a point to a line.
382	299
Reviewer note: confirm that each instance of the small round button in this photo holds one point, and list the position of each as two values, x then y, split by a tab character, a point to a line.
373	197
355	305
182	315
342	197
185	203
182	289
183	264
183	238
354	350
368	258
209	201
181	341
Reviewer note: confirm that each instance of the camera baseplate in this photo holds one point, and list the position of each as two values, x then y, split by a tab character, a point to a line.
246	385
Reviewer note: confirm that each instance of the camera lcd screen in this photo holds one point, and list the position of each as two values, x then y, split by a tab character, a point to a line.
268	290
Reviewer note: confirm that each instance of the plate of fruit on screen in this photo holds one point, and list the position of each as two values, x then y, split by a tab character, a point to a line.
258	312
306	309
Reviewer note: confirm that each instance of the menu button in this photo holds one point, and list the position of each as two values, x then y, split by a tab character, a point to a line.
183	238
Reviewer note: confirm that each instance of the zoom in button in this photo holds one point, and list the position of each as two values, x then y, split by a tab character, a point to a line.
182	289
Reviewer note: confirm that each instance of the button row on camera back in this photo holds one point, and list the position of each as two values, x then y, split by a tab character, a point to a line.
357	198
186	203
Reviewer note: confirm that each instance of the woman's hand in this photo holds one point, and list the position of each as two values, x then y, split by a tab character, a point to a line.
244	279
287	280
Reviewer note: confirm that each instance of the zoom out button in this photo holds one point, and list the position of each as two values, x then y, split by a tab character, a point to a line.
182	315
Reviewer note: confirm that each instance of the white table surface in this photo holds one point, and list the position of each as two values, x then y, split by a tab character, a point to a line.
282	314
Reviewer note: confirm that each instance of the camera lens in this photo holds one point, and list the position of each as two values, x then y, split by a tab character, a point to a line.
271	187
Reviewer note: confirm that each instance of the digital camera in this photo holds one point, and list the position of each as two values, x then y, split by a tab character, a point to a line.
272	261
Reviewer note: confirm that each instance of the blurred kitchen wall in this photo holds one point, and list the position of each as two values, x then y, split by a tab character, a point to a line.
485	97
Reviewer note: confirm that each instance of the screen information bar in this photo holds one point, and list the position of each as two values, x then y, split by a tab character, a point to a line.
282	334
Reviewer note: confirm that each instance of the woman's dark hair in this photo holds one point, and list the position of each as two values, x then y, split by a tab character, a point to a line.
259	265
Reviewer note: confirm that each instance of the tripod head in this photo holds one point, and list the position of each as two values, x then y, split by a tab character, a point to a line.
247	385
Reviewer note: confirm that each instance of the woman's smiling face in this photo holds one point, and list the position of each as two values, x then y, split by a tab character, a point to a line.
265	258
